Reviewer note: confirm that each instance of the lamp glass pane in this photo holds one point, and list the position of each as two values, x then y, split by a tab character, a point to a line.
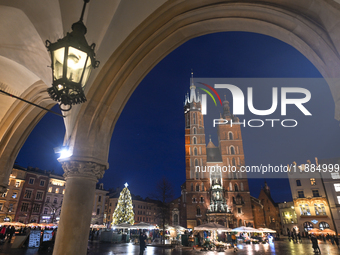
76	61
87	71
58	62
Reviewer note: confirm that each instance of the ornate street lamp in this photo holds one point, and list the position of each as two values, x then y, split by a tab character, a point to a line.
72	62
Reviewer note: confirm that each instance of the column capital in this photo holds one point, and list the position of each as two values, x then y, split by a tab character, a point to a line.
85	169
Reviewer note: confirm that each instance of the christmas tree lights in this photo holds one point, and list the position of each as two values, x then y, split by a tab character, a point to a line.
124	210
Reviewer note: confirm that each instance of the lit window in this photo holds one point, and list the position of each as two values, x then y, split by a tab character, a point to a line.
1	205
14	195
63	191
319	209
338	199
304	209
17	184
4	194
50	189
312	181
57	190
337	187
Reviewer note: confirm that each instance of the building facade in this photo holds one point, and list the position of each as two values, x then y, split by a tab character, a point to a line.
288	217
99	205
54	199
309	197
210	194
271	211
331	180
32	196
9	200
258	213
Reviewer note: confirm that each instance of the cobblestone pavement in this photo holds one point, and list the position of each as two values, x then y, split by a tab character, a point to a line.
279	247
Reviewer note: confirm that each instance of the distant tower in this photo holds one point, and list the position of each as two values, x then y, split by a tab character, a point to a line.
213	196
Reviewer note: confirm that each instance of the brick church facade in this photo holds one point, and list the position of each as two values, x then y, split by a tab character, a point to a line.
212	195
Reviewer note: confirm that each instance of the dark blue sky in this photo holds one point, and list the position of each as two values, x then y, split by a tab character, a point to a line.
148	140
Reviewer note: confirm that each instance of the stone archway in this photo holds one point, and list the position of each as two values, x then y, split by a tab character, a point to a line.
89	127
89	130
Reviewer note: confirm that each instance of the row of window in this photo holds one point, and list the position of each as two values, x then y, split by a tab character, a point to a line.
32	180
318	208
55	200
35	209
57	190
6	208
28	194
301	193
145	219
312	182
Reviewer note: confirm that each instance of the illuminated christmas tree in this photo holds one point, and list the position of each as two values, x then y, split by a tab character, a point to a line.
124	210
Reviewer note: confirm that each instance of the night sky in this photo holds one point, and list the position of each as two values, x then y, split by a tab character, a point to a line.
148	140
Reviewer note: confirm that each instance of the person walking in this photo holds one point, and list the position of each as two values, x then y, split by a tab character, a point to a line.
315	244
336	240
11	233
233	238
142	244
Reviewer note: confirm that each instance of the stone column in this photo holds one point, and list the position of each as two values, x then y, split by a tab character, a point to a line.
76	211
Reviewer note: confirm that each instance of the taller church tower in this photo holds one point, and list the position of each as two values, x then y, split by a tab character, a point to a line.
213	196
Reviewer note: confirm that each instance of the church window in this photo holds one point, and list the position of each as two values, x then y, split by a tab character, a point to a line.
197	187
195	151
192	187
202	186
194	118
232	150
238	161
198	211
236	187
231	136
197	175
194	140
194	200
194	131
175	219
196	163
202	200
233	162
